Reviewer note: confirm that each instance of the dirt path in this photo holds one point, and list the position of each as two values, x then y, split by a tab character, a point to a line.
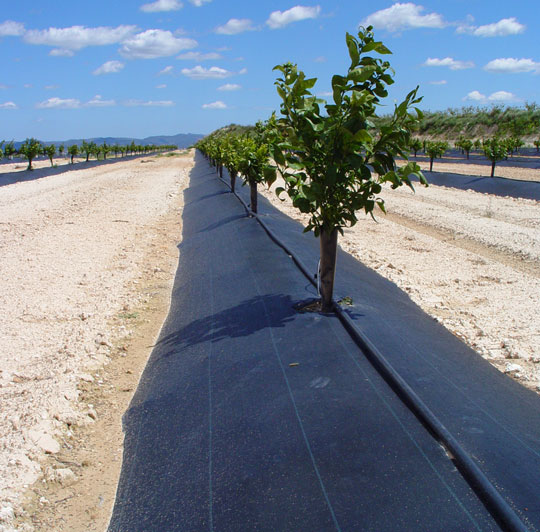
470	260
88	259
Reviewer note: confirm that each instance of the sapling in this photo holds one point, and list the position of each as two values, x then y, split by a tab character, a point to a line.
332	158
495	150
30	149
51	152
73	150
434	150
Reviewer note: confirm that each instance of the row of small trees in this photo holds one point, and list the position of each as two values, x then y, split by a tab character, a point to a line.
495	149
32	148
332	159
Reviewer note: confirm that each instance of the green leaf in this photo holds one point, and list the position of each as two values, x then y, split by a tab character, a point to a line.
353	50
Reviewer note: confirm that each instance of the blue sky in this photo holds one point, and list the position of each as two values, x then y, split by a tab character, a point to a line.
136	68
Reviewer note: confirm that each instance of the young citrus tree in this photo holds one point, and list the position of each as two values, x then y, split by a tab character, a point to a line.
50	151
86	148
467	145
535	142
434	150
232	157
254	165
495	150
9	150
73	151
332	159
416	145
30	149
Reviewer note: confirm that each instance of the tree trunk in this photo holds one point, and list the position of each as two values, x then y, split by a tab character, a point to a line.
431	164
328	243
221	171
493	168
233	180
253	194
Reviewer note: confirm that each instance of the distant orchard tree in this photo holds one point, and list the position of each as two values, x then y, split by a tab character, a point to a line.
9	150
50	151
73	151
61	149
435	150
30	149
466	146
86	148
536	143
495	150
105	149
416	145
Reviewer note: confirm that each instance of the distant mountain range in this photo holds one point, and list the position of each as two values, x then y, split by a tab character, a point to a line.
182	140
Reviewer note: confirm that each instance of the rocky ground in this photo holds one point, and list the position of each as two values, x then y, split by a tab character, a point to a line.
88	258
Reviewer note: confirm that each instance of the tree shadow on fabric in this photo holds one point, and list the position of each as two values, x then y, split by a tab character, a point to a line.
253	315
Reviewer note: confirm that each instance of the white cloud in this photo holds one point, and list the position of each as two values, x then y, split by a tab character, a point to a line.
452	64
154	43
499	96
320	59
110	67
229	87
280	19
441	82
215	105
200	72
9	28
235	25
199	56
475	96
59	103
502	96
162	86
98	101
403	17
505	26
151	103
199	3
51	87
77	37
166	70
511	65
2	86
8	105
162	5
61	52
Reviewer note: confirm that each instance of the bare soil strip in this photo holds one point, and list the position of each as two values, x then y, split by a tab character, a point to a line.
88	259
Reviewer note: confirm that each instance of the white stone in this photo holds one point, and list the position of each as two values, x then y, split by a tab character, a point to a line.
45	441
6	514
513	368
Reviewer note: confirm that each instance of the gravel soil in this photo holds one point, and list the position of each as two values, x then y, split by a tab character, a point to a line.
88	258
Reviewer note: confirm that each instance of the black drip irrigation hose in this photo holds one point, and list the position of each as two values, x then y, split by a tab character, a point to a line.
483	487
